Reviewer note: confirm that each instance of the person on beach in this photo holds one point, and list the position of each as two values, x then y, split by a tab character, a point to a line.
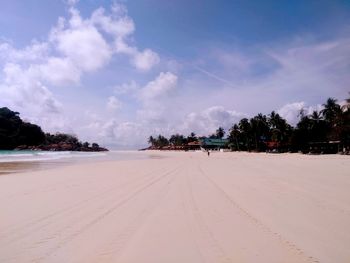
208	153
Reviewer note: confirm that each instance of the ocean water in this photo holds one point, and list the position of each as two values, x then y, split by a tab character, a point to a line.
18	161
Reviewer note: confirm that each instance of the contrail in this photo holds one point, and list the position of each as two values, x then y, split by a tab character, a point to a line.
214	76
170	54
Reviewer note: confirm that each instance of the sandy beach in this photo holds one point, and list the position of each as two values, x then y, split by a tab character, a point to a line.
183	207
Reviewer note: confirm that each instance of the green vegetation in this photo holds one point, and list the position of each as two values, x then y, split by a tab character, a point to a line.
176	140
324	131
17	134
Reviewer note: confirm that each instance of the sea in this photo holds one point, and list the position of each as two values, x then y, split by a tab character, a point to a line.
20	161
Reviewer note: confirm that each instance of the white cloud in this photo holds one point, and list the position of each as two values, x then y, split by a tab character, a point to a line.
145	60
142	60
107	130
34	52
126	88
260	84
291	112
113	103
162	85
119	134
83	45
207	121
23	92
60	71
72	2
120	26
21	88
253	79
75	46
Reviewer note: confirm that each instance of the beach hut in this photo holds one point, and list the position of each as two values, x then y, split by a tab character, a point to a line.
324	147
193	146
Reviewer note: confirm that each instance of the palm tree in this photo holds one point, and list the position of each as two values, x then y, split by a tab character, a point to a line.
245	129
234	135
220	133
177	140
279	127
274	120
331	110
301	135
334	117
162	141
151	140
260	130
317	127
192	137
316	116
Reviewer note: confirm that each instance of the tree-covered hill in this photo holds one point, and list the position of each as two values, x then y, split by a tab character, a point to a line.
18	134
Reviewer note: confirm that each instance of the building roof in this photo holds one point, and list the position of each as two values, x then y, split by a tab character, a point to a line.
214	142
194	143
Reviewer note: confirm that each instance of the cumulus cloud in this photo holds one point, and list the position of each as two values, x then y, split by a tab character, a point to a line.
22	88
60	71
155	98
113	103
22	91
72	2
162	85
145	60
208	120
82	44
291	111
306	73
252	80
126	88
35	52
75	46
119	134
121	26
152	118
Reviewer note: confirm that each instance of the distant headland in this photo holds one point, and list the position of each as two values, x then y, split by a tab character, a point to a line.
16	134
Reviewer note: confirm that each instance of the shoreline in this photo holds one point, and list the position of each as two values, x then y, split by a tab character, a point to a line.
18	166
15	167
37	163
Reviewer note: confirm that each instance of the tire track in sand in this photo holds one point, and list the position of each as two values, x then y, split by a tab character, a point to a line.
205	241
35	225
115	247
101	216
256	222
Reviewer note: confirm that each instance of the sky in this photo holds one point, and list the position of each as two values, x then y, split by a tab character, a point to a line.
116	72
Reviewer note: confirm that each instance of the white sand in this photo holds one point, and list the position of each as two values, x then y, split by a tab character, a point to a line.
186	208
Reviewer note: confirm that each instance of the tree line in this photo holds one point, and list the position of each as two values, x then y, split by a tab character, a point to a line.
331	124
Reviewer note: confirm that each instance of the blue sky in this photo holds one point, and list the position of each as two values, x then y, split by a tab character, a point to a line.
119	71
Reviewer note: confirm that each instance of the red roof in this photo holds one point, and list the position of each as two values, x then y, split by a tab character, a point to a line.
194	143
